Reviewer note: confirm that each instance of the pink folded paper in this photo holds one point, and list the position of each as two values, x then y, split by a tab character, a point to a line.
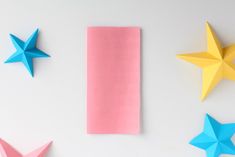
113	80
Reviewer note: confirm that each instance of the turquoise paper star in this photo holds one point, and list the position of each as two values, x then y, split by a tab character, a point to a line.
216	138
26	51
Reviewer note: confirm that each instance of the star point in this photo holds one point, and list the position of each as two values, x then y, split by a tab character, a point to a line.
216	62
26	51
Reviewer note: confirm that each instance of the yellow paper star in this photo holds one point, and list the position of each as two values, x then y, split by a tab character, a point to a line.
216	63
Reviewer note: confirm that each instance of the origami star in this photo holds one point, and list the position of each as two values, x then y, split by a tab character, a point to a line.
6	150
26	51
217	62
215	138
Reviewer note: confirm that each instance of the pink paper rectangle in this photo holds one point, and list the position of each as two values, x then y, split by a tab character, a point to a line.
113	80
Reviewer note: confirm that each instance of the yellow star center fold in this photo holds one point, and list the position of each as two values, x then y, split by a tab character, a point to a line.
216	63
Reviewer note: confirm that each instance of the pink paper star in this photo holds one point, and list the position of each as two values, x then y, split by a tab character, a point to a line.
6	150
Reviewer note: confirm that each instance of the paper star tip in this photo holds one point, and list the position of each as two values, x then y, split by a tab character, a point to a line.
6	61
204	96
181	56
208	117
178	55
49	143
191	142
36	31
208	25
31	72
202	99
32	75
12	36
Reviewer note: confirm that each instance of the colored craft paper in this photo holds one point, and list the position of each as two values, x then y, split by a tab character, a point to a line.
216	62
113	80
26	51
215	138
6	150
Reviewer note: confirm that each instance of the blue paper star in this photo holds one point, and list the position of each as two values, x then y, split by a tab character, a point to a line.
216	138
26	51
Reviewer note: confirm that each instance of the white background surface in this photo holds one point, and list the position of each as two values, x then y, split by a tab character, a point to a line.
52	106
